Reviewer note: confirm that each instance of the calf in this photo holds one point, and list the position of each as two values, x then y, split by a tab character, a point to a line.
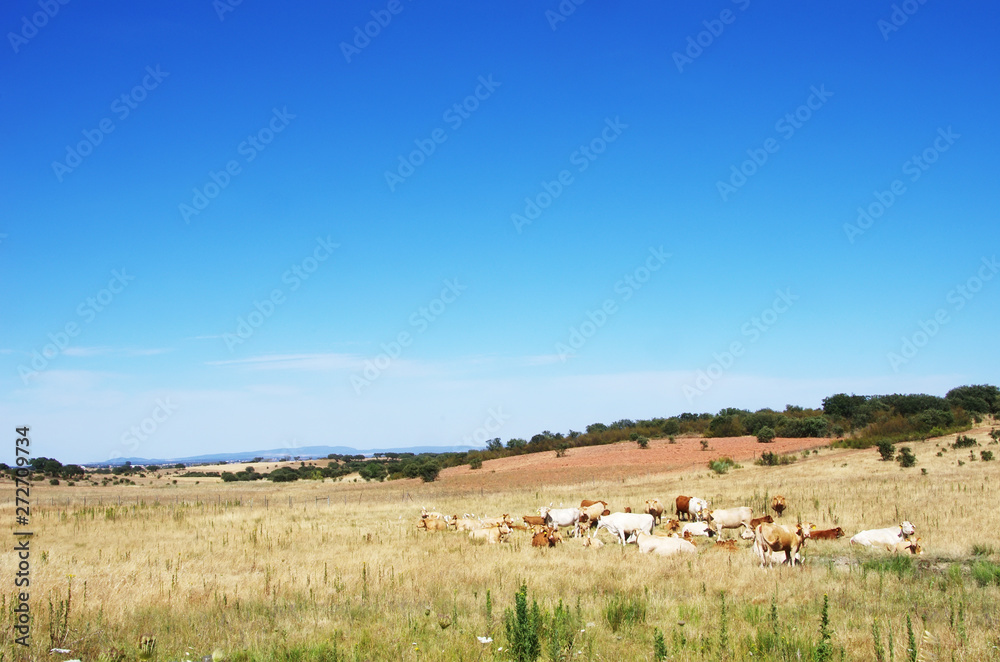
547	538
778	504
761	520
911	546
592	542
827	534
673	525
533	520
729	545
654	508
698	529
432	524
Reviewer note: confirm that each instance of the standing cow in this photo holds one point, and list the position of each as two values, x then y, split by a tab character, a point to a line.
778	504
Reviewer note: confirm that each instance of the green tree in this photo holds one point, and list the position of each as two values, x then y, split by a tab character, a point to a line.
886	449
429	471
765	435
906	458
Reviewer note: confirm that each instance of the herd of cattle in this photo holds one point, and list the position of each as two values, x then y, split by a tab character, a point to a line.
693	518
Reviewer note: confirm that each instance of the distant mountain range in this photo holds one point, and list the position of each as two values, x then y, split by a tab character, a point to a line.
302	452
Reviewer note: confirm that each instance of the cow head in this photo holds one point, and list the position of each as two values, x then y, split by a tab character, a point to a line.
907	529
840	532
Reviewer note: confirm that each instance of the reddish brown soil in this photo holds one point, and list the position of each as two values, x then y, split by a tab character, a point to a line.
616	461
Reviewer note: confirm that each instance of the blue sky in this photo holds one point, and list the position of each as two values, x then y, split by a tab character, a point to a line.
129	248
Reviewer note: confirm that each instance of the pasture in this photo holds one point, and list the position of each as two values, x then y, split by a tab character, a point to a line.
335	570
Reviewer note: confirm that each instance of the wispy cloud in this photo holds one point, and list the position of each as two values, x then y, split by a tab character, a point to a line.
113	351
318	362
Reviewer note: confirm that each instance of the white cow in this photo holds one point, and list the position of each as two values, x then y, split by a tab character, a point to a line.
660	545
731	518
625	524
697	507
698	529
889	536
559	517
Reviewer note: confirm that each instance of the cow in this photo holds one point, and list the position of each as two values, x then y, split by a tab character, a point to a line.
625	524
494	522
661	546
682	503
628	509
827	534
465	524
491	535
654	508
673	525
731	518
587	502
888	536
728	545
772	539
593	511
778	504
698	529
533	520
691	508
592	542
559	517
432	524
911	546
545	538
761	520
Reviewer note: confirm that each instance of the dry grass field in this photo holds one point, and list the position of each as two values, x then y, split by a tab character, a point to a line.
335	570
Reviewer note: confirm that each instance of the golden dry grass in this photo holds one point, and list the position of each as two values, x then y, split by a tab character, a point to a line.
275	583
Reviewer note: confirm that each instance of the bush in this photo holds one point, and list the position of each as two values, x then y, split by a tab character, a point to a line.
986	455
765	435
723	464
964	442
54	481
886	450
523	627
936	432
906	458
770	459
642	441
476	463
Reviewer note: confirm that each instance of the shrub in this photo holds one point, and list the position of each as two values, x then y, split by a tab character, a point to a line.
906	458
769	459
704	444
671	439
886	450
54	481
476	463
659	646
964	442
765	435
986	455
936	432
523	627
642	441
723	464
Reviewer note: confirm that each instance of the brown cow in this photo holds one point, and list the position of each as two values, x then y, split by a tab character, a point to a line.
771	539
912	546
545	538
682	507
778	504
729	544
533	520
673	525
761	520
628	509
827	534
654	508
587	502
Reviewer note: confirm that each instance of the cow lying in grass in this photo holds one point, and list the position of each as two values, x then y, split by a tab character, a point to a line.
661	545
888	536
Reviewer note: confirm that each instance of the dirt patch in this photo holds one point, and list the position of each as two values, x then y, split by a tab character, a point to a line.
618	461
